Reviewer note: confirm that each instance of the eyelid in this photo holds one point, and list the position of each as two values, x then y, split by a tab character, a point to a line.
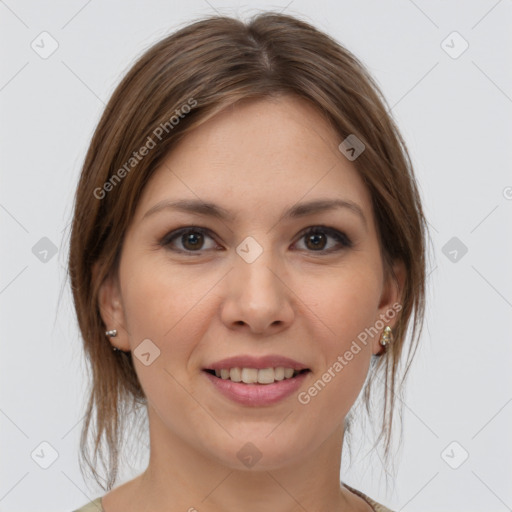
338	235
176	233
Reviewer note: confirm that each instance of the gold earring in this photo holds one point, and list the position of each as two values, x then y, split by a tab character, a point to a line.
387	336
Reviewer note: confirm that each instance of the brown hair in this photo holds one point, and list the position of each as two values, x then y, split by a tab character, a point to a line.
210	64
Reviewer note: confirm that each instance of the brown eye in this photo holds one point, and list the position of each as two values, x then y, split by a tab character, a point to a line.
316	241
192	241
189	240
325	239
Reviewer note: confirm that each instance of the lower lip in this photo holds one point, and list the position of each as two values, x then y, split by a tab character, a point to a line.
257	394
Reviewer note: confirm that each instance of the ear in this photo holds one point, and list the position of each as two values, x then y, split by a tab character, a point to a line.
390	303
111	309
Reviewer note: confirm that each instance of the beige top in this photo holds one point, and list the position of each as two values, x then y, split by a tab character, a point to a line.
376	506
95	506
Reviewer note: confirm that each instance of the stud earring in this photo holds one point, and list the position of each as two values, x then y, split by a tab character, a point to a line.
387	336
112	334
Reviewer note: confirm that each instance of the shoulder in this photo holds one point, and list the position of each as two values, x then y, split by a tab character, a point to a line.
93	506
377	507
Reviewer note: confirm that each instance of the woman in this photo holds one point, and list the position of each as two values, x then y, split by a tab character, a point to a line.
247	253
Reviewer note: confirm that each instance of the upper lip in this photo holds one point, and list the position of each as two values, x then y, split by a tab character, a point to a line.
261	362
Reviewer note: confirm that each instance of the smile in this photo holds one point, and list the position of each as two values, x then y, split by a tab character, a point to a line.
256	376
250	391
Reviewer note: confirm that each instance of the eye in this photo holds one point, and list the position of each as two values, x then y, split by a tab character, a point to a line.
317	239
189	239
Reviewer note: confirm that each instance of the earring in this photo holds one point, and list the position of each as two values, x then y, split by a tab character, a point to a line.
112	334
387	336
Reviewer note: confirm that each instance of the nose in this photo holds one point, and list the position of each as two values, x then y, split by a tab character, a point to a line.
257	297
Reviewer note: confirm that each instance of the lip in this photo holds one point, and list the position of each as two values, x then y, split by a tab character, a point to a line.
256	395
259	363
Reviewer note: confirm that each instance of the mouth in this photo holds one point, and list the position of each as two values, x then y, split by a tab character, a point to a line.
256	387
262	376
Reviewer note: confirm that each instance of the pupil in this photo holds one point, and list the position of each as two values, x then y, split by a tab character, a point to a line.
316	239
193	240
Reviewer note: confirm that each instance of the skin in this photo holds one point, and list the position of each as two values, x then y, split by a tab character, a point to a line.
257	160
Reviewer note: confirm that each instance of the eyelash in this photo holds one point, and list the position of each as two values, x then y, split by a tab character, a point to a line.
339	236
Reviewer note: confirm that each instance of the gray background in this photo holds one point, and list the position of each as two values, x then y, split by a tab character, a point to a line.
455	115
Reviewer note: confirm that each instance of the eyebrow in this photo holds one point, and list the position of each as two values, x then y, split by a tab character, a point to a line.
297	211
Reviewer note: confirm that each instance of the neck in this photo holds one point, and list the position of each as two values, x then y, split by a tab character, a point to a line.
180	477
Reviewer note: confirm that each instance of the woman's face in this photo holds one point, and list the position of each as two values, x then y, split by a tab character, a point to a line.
258	263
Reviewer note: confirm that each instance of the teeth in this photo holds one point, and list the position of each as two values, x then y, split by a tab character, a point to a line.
253	375
235	374
288	372
279	373
266	376
249	375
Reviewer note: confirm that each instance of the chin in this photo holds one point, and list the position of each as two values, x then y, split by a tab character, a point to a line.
256	452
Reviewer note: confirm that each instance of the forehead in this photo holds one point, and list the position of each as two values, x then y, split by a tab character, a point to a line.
255	155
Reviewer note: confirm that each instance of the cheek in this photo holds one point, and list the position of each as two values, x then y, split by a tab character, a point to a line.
156	296
168	307
347	303
347	306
